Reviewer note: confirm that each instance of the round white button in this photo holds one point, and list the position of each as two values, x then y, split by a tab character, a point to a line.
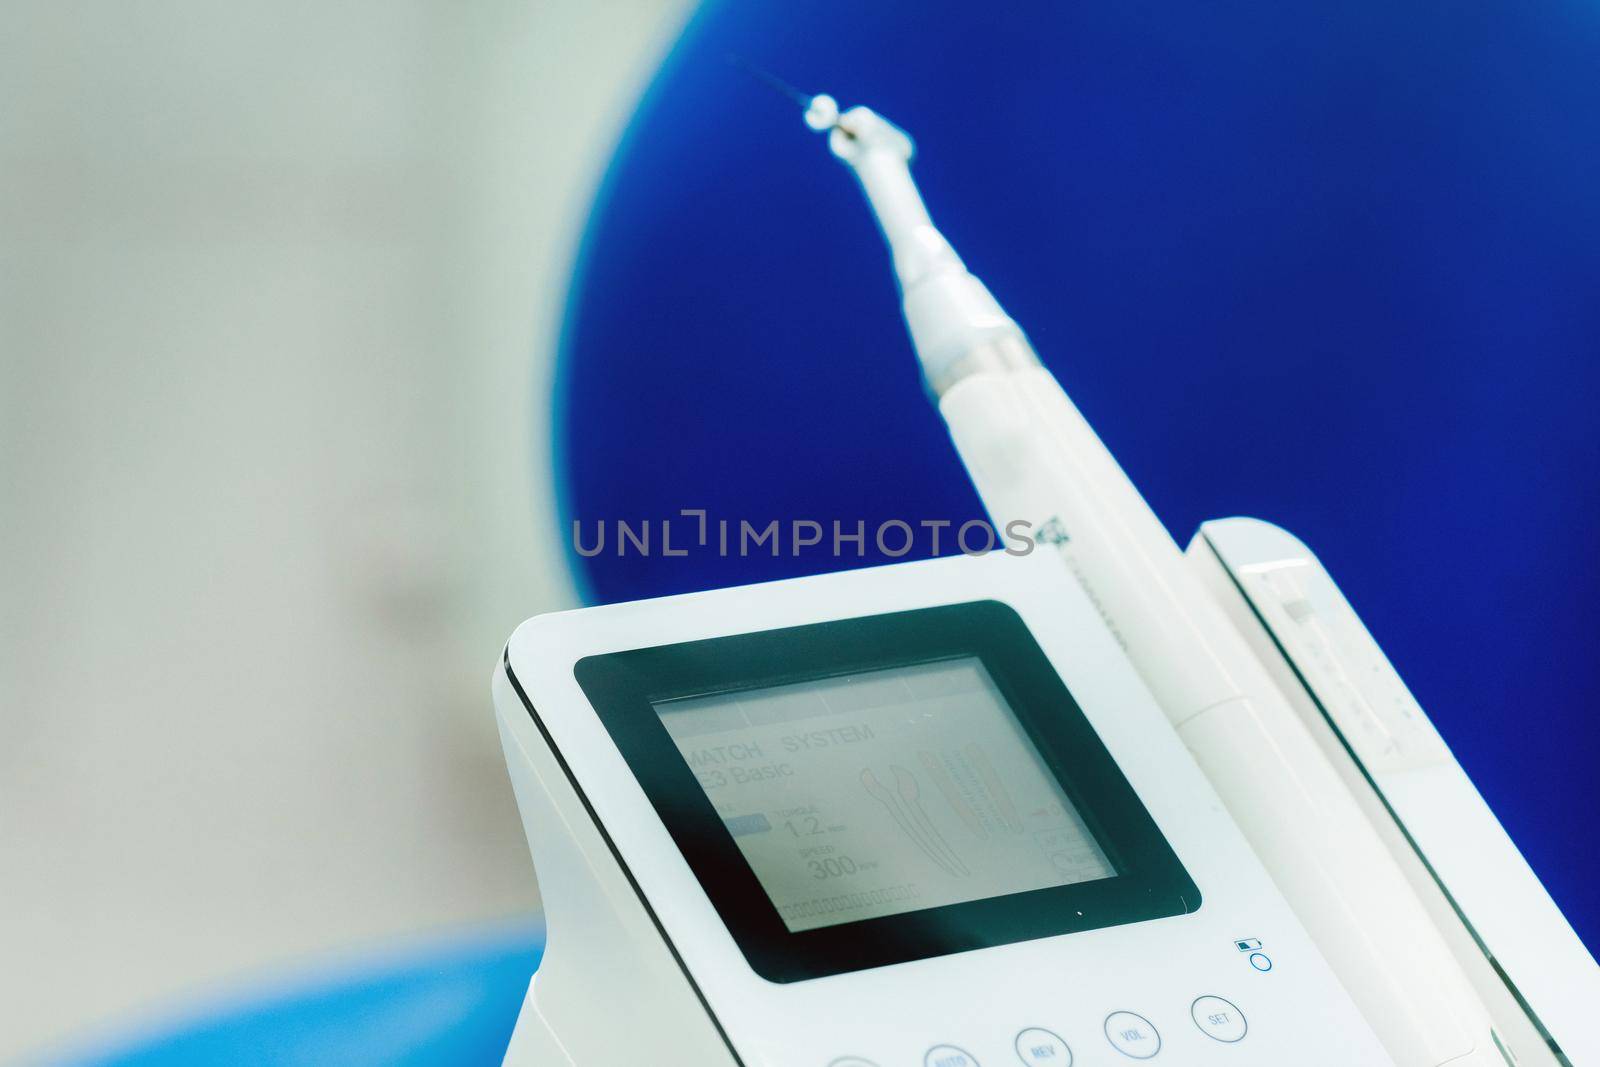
1041	1048
948	1056
1219	1019
1132	1035
1261	961
851	1061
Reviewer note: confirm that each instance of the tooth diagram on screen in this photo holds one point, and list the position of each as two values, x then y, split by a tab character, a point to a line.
891	790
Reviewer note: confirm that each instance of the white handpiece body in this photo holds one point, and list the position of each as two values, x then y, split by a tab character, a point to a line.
1034	458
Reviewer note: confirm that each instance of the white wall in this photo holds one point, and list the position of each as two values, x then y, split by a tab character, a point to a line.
278	293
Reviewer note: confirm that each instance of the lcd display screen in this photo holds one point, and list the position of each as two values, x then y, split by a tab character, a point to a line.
882	792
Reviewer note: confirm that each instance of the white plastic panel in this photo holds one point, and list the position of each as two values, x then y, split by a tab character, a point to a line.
1242	947
1475	862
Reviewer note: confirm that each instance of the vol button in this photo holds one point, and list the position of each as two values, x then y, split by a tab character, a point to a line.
1132	1035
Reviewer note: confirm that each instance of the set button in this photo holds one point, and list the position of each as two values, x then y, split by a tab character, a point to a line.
1217	1018
1038	1047
948	1056
1132	1035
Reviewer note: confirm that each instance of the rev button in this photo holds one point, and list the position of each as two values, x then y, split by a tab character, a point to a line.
1038	1047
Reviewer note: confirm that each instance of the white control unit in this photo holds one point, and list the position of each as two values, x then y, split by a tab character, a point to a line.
924	815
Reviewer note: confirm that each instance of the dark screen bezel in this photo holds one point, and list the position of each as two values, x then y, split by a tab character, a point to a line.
1150	882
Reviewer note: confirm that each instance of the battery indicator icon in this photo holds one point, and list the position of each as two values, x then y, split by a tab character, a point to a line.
1248	944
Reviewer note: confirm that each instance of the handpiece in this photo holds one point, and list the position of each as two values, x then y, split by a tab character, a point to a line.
1033	457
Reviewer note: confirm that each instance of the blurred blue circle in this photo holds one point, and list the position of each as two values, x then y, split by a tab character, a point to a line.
1335	266
447	1003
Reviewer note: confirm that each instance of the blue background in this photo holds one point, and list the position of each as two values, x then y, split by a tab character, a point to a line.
1335	266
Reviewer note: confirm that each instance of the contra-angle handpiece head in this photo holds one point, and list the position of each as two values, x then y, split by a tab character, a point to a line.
957	328
956	325
880	154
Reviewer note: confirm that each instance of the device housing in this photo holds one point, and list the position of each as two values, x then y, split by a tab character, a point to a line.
640	967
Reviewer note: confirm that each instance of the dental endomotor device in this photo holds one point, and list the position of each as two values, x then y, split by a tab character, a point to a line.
1331	768
1105	802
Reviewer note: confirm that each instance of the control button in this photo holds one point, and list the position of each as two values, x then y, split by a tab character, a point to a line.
851	1061
1219	1019
948	1056
1261	961
1040	1047
1132	1035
